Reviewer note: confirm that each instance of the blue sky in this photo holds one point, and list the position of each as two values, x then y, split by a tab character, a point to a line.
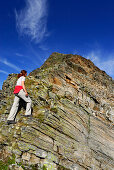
30	30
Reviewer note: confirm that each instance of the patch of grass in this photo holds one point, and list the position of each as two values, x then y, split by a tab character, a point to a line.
35	108
5	165
34	167
3	109
62	168
20	164
40	116
54	110
44	167
11	160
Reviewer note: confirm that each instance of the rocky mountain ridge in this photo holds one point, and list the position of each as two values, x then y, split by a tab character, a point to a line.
73	118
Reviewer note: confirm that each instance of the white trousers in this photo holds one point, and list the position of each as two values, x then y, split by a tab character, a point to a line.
15	105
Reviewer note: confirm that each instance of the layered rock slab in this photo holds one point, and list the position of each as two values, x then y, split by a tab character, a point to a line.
72	124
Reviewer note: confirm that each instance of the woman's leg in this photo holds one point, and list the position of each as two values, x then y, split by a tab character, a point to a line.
27	99
14	108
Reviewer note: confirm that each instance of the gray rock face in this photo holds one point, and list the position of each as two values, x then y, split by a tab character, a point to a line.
73	116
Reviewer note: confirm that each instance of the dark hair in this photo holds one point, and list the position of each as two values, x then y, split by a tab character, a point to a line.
22	73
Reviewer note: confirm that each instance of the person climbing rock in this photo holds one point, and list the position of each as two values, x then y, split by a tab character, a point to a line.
20	92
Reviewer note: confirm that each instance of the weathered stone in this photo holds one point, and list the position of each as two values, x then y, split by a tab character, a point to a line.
34	160
20	168
23	146
52	157
17	151
26	156
52	95
40	153
73	115
48	164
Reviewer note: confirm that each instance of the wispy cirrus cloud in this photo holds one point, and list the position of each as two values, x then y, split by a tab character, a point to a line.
105	63
4	72
4	61
44	48
32	20
19	55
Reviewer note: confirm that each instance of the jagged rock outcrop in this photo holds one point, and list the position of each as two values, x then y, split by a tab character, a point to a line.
73	118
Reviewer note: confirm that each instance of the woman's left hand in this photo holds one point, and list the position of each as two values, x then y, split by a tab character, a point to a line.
26	94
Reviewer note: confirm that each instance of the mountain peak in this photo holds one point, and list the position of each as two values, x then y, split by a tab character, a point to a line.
72	120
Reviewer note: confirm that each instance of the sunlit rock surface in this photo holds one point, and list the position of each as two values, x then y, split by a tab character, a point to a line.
73	118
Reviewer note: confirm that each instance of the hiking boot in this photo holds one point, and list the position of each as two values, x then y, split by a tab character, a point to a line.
11	122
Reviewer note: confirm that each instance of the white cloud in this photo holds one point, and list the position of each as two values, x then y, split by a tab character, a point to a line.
43	47
108	66
4	72
32	20
4	61
98	59
18	54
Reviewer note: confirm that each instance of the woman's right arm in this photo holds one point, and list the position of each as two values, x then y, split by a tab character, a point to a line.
23	85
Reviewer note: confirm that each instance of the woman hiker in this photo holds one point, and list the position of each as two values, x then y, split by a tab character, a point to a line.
20	92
